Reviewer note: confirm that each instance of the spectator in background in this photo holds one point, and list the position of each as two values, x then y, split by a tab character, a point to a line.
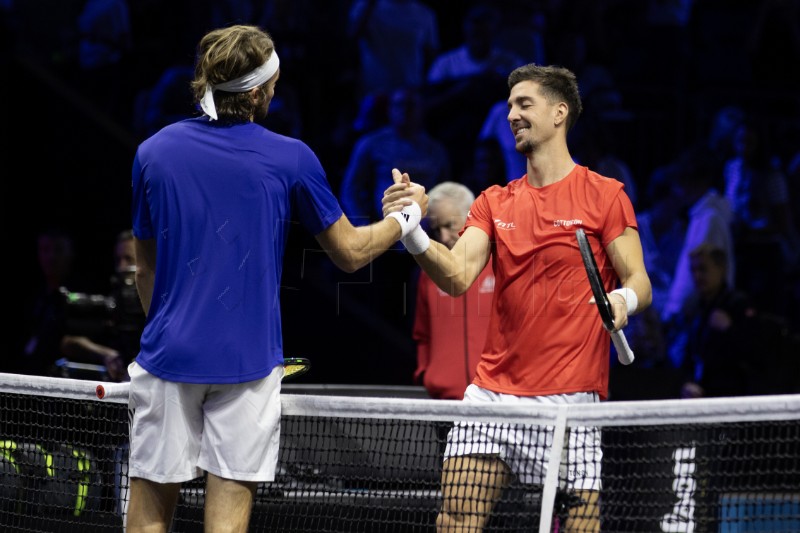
598	88
719	142
595	148
124	253
717	146
168	101
404	144
479	53
128	319
709	223
717	322
106	41
488	166
45	312
496	127
49	335
450	331
662	230
764	230
756	188
468	77
397	40
524	30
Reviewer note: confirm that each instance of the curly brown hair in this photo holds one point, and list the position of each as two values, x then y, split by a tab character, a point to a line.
225	54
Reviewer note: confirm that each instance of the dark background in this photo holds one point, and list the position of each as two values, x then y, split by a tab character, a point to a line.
67	159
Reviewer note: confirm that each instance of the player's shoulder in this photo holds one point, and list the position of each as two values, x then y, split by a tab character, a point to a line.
593	179
503	191
279	143
165	138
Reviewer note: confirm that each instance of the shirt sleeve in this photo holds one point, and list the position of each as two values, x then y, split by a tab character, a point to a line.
480	216
620	216
142	224
317	206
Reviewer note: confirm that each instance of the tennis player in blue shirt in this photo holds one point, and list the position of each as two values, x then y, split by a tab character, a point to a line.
213	198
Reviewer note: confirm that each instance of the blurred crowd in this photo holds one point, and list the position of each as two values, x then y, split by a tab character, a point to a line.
692	104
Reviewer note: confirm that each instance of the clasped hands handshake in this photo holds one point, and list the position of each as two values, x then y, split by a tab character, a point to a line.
407	203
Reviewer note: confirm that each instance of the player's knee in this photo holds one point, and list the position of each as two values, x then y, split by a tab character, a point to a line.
458	520
450	523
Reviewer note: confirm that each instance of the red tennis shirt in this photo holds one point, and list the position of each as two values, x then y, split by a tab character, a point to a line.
544	337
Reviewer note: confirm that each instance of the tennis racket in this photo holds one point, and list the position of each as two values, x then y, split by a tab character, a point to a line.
624	353
295	366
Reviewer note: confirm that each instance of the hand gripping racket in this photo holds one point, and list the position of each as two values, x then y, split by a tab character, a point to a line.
624	353
295	366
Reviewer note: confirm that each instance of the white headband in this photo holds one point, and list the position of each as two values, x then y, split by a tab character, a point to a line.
240	85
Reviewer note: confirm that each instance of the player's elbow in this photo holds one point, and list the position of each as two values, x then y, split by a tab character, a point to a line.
347	262
645	302
454	287
645	297
350	260
458	290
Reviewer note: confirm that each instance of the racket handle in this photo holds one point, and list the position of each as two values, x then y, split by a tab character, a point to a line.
624	352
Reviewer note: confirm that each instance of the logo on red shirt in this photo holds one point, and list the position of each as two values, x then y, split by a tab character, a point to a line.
504	225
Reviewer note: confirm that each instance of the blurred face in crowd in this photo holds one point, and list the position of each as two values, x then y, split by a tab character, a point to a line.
445	221
708	276
745	141
124	256
405	110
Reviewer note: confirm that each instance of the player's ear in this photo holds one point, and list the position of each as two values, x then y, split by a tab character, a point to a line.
560	113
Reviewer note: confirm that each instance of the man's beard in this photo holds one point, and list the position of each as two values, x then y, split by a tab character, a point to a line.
525	147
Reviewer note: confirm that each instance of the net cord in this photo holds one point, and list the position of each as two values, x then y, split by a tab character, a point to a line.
622	413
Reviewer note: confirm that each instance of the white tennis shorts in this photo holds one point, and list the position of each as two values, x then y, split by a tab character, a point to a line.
179	430
525	448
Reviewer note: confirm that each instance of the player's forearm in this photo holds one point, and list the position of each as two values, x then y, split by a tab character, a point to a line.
351	248
640	284
83	349
444	269
372	241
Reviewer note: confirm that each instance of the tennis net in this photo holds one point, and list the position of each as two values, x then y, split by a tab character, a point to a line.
373	464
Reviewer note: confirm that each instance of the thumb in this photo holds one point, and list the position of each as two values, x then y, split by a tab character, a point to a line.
592	300
400	178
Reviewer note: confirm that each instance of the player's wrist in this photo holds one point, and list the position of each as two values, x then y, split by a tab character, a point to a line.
408	218
416	242
629	295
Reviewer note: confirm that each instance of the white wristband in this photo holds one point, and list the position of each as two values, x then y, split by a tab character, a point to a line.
417	241
631	300
408	218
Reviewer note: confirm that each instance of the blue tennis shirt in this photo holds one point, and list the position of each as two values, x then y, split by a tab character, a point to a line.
218	200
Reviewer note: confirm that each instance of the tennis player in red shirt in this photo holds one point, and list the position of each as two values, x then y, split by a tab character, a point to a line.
546	343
